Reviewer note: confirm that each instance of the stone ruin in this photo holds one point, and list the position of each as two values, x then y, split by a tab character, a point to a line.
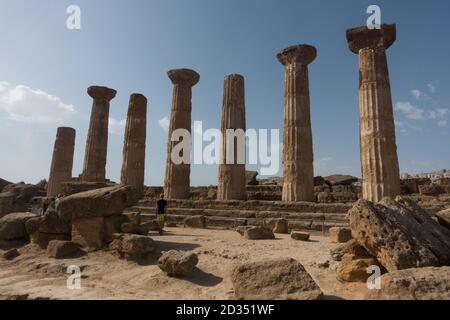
95	213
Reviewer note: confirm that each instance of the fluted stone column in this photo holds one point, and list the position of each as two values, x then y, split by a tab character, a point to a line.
97	139
133	165
298	168
177	178
379	162
62	161
231	184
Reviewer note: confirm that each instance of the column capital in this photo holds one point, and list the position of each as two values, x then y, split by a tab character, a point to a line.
234	76
138	98
363	37
301	53
184	77
104	93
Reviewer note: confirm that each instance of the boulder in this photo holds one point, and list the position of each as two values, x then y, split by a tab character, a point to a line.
177	263
241	229
131	246
400	234
354	269
250	178
10	254
429	283
258	233
298	235
12	226
6	203
50	223
62	249
281	279
102	202
113	225
3	183
90	233
340	235
23	192
195	222
278	225
338	251
339	179
351	247
444	218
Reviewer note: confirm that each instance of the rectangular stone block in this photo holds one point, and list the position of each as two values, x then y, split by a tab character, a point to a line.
89	232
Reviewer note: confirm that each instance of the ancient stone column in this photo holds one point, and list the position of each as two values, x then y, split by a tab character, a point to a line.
97	139
298	168
231	184
177	178
379	162
133	165
62	161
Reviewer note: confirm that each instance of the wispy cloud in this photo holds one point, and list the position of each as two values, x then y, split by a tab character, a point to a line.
413	112
24	104
164	123
432	86
417	94
116	127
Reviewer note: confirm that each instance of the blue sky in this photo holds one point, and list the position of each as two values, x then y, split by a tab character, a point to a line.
45	69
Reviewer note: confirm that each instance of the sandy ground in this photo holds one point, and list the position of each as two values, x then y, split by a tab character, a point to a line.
34	276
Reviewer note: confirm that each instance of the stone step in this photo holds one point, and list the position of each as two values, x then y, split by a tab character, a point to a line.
255	205
248	214
230	223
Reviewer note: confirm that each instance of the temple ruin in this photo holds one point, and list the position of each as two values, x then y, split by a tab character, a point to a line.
379	162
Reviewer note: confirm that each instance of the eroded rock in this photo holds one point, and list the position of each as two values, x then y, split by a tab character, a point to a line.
429	283
400	234
279	279
177	263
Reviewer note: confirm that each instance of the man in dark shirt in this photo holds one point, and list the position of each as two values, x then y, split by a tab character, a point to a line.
160	212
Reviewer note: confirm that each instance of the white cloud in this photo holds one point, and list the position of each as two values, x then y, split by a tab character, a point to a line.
432	87
24	104
164	123
416	94
410	111
415	113
116	127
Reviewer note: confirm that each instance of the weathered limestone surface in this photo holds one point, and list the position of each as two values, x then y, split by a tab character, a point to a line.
413	284
109	201
298	149
12	226
178	263
282	279
133	166
177	176
97	139
379	161
232	175
62	161
400	234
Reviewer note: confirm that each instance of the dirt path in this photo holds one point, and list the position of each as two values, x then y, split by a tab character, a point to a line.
32	275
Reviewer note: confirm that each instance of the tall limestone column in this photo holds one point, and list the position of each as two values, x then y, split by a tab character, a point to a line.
177	178
298	168
133	165
231	184
97	139
62	161
379	162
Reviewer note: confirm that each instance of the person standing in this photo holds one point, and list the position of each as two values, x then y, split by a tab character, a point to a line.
161	205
